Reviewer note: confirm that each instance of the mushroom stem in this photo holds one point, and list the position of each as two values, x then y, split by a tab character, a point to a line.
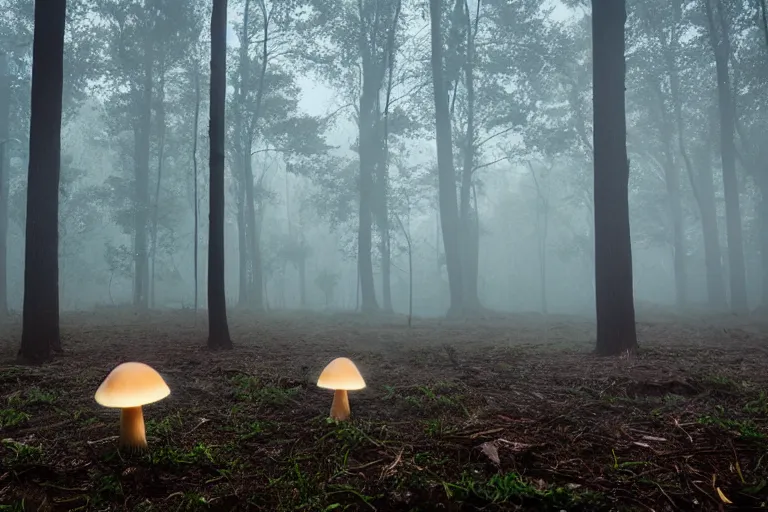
340	406
132	433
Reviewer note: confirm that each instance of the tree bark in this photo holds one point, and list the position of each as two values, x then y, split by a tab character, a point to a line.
5	168
721	47
469	249
40	324
614	299
218	329
367	155
141	200
194	170
449	211
160	157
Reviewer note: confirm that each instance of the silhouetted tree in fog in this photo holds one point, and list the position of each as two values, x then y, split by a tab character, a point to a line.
721	46
40	328
449	209
613	249
218	330
5	161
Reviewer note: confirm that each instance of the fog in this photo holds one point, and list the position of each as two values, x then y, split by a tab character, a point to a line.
531	179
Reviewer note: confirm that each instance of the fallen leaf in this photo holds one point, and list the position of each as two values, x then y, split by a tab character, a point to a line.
490	450
722	497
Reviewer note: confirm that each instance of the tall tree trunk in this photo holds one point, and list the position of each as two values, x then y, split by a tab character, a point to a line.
469	260
720	43
5	168
255	284
218	329
194	170
40	323
364	236
614	299
703	192
675	208
710	231
141	200
160	157
256	288
242	245
239	142
449	211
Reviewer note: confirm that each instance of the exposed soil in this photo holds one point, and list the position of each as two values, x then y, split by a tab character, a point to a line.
507	413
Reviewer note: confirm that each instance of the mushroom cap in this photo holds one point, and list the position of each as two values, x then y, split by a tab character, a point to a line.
341	373
131	385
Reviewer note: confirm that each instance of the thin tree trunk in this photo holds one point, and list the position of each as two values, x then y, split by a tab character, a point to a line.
469	261
721	47
5	168
710	231
705	202
407	236
239	143
613	250
194	168
218	334
242	246
160	157
40	323
675	210
449	211
256	282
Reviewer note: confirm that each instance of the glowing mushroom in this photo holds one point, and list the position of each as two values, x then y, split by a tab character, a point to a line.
341	375
128	387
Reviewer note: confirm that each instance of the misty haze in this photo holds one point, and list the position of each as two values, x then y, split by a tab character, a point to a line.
383	255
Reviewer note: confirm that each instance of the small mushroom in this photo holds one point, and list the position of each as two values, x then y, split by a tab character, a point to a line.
128	387
341	375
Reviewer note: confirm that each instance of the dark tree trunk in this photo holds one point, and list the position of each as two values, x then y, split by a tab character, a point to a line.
218	333
613	249
194	170
470	241
449	211
5	168
721	46
40	328
141	201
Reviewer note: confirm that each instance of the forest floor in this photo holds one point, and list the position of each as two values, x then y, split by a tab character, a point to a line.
504	413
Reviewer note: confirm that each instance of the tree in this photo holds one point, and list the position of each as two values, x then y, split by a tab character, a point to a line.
614	299
721	46
40	324
449	210
5	160
218	330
